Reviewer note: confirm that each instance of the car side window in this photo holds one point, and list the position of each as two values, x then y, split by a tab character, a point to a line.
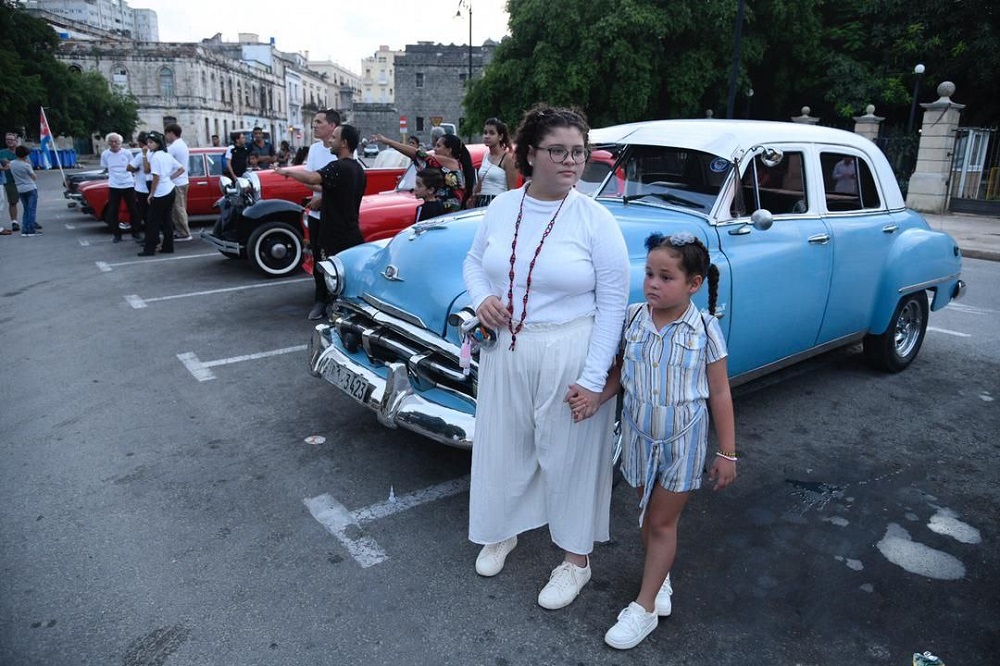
849	183
214	164
780	189
196	166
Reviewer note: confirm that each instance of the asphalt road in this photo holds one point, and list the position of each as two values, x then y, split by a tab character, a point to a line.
160	503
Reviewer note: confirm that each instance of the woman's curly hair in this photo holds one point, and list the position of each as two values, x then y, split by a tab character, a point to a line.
537	122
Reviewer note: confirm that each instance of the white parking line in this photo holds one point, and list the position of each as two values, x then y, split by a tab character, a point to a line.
105	267
339	522
138	303
947	332
84	242
968	309
200	369
70	226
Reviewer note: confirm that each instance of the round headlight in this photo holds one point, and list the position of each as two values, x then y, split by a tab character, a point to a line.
333	275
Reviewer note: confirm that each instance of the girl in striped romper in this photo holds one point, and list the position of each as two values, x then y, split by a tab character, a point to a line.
673	368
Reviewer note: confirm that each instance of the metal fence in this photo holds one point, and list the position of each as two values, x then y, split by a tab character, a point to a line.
901	151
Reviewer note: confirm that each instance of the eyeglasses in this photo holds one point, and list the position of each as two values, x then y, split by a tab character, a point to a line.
558	153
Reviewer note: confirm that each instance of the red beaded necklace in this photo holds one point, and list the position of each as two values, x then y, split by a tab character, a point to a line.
531	267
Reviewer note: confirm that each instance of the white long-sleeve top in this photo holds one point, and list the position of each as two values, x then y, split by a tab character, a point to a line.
583	269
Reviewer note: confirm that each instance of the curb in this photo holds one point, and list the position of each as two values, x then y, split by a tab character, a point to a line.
988	255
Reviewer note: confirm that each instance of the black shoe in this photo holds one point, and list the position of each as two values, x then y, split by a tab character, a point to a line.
146	254
318	311
14	226
166	251
38	226
116	239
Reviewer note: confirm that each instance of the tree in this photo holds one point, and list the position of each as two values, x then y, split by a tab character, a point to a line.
626	60
75	104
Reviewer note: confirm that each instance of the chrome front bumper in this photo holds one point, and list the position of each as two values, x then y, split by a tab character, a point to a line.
226	247
393	399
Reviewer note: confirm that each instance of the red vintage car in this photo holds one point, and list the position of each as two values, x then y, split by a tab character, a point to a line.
386	213
204	169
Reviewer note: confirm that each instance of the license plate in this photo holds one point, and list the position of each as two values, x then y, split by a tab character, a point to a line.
350	383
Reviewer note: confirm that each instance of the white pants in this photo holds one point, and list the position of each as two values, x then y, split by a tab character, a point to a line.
531	464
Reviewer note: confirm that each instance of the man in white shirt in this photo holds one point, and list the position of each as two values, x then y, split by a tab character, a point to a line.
178	149
324	122
121	185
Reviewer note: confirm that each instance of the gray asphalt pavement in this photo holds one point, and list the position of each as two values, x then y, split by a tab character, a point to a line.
152	515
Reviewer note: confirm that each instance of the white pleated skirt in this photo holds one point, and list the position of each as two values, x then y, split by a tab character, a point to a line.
531	464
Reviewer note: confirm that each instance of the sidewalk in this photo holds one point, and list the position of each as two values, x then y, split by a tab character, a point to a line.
977	235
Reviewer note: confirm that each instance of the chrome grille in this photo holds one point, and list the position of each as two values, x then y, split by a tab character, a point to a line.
430	361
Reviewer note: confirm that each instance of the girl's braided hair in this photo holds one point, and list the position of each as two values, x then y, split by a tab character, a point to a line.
694	259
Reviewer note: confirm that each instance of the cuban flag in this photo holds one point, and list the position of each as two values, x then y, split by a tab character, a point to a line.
47	143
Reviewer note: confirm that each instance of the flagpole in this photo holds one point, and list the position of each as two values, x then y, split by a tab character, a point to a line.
46	131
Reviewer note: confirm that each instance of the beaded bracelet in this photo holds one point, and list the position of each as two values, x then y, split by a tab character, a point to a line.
728	455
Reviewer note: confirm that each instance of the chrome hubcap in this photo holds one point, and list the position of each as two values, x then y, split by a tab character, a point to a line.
908	326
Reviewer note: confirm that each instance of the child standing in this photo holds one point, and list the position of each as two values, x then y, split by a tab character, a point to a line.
27	190
426	187
673	362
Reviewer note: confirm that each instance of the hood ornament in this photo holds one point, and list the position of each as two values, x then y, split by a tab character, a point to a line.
391	273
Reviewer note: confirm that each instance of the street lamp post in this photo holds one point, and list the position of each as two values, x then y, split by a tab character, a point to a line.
737	42
918	70
467	5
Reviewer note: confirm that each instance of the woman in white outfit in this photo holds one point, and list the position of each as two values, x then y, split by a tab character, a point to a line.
549	271
498	172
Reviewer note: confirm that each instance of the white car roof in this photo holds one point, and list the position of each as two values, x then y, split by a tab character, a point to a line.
728	138
723	137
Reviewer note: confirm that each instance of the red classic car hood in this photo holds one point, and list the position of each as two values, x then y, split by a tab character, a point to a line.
384	215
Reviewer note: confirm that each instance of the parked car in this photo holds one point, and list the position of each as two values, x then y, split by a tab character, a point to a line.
805	267
270	230
204	169
73	181
385	213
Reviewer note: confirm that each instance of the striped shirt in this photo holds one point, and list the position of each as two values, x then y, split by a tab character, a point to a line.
665	376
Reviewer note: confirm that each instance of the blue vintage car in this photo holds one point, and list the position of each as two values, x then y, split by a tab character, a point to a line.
807	225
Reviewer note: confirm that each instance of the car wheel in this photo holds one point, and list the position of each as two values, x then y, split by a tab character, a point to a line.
898	346
275	249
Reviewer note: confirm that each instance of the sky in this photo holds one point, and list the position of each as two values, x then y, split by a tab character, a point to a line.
344	32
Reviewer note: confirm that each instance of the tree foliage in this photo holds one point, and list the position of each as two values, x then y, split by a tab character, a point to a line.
626	60
75	104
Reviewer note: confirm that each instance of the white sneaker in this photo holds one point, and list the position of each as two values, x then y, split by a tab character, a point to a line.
493	555
663	605
633	625
564	585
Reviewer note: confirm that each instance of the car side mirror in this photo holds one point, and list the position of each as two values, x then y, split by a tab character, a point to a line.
761	219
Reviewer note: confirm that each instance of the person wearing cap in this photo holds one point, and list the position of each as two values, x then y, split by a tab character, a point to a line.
162	192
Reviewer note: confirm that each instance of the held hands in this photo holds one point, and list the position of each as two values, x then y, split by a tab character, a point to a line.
723	472
582	402
492	313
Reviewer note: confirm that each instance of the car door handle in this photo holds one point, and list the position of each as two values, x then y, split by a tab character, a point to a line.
819	239
890	228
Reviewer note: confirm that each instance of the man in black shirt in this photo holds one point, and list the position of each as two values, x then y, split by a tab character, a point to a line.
343	182
237	156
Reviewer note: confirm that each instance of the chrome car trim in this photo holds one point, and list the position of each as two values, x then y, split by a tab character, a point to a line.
393	401
794	358
404	328
391	273
929	283
819	239
391	309
231	247
959	290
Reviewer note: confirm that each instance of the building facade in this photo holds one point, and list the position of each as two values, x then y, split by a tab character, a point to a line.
378	77
113	16
343	86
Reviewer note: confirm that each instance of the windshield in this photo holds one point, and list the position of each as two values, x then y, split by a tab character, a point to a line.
409	179
664	175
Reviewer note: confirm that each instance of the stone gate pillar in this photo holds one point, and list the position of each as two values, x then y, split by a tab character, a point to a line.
928	192
868	124
805	118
